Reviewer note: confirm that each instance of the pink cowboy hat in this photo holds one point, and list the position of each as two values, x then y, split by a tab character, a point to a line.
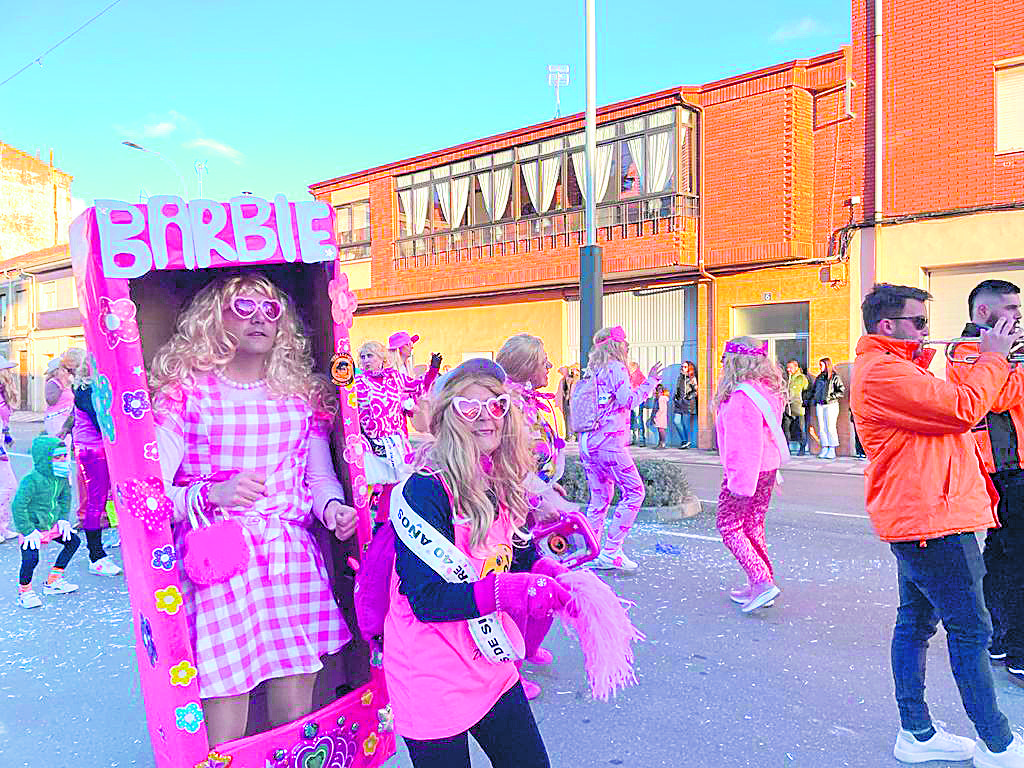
400	339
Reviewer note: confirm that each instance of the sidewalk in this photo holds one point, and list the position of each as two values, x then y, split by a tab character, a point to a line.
844	465
27	417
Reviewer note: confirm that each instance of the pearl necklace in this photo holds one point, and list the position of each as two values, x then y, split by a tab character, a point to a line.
238	384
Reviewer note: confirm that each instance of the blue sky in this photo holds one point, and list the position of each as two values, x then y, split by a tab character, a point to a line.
274	96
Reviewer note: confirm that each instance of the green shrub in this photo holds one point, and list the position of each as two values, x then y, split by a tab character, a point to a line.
664	482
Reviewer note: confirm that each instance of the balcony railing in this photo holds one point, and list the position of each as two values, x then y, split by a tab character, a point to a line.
616	221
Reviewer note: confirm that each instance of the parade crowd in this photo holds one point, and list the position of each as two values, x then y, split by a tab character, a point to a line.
243	435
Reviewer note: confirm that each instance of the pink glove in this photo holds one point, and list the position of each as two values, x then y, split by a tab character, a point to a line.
529	594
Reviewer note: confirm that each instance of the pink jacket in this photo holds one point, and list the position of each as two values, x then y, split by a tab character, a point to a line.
617	397
745	444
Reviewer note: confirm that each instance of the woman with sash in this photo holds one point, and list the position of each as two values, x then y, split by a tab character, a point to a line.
465	578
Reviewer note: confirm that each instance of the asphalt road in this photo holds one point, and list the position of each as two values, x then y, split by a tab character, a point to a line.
805	683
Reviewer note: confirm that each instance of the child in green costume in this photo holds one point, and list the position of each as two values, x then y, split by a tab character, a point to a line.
40	511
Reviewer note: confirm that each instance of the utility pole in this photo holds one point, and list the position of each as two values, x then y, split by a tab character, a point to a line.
591	279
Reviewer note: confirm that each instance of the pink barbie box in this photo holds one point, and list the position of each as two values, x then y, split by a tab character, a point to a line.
135	267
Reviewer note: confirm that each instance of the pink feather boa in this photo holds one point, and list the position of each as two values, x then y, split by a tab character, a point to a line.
598	618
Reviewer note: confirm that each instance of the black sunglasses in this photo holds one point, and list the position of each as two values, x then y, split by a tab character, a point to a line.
920	321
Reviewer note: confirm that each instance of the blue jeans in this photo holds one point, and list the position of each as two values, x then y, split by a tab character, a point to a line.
686	427
942	581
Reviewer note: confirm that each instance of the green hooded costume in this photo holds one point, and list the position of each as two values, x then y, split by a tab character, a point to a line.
42	498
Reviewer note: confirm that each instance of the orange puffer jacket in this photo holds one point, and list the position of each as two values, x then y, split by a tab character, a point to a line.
926	478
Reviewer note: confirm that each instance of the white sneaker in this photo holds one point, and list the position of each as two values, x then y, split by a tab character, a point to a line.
760	596
29	599
105	567
942	746
614	562
60	587
1013	757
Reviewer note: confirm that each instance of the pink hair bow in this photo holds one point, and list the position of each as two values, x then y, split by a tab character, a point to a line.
615	334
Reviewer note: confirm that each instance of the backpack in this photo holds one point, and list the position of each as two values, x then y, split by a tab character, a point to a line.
583	405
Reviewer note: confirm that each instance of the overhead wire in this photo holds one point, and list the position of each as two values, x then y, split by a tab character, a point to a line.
39	59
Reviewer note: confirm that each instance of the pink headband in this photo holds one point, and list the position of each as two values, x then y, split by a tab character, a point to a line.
734	348
614	334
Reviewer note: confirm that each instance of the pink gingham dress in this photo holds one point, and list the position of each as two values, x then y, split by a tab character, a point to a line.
278	617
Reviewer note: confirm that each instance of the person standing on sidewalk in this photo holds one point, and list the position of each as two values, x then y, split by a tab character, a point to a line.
926	493
828	391
604	450
10	396
685	404
748	415
1000	435
659	415
796	385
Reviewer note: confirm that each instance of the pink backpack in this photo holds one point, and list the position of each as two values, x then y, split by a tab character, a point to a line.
583	405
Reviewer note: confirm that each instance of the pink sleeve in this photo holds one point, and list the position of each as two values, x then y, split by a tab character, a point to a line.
320	476
622	389
415	388
170	446
743	433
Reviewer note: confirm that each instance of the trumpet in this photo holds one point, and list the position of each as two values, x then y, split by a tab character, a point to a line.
1016	352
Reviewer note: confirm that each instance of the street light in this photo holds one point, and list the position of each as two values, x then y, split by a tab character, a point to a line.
591	280
133	145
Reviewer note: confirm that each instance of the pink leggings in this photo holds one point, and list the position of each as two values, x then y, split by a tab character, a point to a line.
605	468
741	523
8	486
94	486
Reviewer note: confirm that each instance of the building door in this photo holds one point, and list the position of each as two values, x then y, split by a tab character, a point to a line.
950	289
23	377
784	326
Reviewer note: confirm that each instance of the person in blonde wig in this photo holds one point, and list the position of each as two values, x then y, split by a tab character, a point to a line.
748	421
242	432
468	488
604	451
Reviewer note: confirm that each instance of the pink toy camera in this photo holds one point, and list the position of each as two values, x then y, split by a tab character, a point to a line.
567	539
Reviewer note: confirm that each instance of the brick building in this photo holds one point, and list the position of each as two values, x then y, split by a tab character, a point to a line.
39	315
766	223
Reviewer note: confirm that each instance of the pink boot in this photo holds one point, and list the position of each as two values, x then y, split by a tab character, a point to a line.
531	689
542	656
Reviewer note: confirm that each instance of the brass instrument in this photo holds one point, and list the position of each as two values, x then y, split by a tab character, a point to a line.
1016	352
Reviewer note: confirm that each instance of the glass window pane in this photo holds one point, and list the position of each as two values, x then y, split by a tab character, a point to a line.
421	178
509	209
440	173
403	181
631	168
344	223
438	208
461	167
771	319
577	139
573	187
361	220
530	150
606	132
477	207
404	212
482	162
526	206
634	126
551	145
503	157
610	182
659	165
667	117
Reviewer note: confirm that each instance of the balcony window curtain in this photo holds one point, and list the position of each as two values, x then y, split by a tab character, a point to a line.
636	151
550	170
460	199
659	161
605	158
420	199
405	198
530	176
502	190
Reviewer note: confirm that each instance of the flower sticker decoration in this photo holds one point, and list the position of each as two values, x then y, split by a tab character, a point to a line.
165	558
168	600
370	745
135	403
102	403
183	673
146	500
216	760
366	699
189	717
150	452
146	636
343	301
385	719
355	447
117	321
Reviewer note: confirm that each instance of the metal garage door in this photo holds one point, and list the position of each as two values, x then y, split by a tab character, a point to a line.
951	287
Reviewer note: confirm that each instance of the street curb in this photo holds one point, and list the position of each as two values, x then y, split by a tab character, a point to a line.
690	508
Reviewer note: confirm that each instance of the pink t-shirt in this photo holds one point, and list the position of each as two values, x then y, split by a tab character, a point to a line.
438	683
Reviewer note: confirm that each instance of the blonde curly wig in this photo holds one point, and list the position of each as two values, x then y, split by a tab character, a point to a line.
739	368
604	352
201	343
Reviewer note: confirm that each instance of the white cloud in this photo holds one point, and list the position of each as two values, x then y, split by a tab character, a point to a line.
216	147
162	128
798	29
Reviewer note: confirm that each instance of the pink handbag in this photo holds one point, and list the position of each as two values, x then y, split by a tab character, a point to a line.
214	552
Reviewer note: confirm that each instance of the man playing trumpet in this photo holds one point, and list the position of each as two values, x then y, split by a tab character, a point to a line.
1000	436
926	493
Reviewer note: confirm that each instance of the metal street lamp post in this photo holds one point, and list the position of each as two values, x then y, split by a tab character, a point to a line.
591	280
184	187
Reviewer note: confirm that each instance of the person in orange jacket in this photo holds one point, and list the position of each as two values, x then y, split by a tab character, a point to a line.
926	493
1000	435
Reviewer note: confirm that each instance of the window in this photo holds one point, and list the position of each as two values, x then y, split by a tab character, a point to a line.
4	301
784	326
48	296
1010	108
21	307
353	228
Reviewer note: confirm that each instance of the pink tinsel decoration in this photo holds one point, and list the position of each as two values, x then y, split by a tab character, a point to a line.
604	631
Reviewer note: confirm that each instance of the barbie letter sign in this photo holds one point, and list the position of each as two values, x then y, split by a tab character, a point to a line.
168	233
